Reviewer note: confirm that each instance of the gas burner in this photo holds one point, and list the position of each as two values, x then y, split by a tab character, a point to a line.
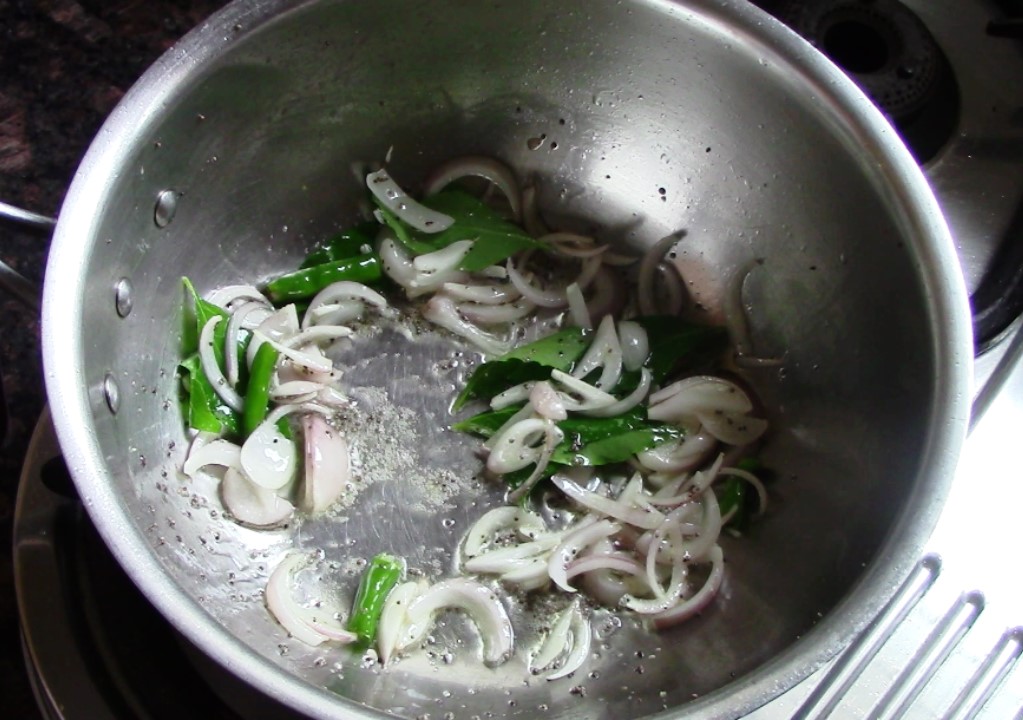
892	56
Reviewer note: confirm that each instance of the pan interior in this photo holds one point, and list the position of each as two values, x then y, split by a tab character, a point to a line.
634	120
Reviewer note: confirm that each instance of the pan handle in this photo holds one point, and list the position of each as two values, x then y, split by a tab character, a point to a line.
11	281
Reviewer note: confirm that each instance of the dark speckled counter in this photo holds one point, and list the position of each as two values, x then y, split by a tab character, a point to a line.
63	67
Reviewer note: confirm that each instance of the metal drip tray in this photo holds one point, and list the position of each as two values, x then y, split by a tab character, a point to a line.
948	644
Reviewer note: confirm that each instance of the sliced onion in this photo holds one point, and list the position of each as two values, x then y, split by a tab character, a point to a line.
585	397
211	368
302	623
553	435
543	298
581	639
678	455
573	245
510	557
646	290
394	615
218	452
663	598
700	393
339	313
635	344
390	194
479	602
476	166
327	468
267	458
642	517
523	413
295	391
517	446
733	428
752	480
396	263
251	504
613	561
574	543
546	401
315	362
228	295
527	524
494	314
342	291
277	326
577	309
698	602
441	311
513	395
445	259
629	401
531	575
555	644
485	294
604	352
239	319
531	219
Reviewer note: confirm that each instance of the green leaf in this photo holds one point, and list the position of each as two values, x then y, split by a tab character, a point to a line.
494	238
345	244
602	441
533	361
206	411
677	346
588	440
197	313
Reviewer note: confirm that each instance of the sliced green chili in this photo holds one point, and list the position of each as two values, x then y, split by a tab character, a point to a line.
257	397
304	284
377	581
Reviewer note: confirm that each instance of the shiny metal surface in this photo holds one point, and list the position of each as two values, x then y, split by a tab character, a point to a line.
764	150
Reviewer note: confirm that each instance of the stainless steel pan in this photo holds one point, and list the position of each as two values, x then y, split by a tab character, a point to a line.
235	153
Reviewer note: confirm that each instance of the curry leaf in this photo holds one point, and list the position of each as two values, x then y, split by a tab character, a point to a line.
677	346
530	362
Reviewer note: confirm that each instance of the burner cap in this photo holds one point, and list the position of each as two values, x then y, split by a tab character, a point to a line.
892	56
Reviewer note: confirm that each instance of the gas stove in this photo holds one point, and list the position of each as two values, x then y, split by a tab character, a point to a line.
949	75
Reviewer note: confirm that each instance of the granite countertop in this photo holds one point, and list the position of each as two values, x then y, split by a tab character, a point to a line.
64	65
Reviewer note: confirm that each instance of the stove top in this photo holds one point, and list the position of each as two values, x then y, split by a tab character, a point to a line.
949	74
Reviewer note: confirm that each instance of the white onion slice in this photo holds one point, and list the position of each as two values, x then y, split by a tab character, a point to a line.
340	292
614	561
570	548
584	397
228	295
218	452
577	309
479	602
528	524
394	615
494	314
546	401
267	458
513	395
443	260
531	219
531	575
327	468
753	480
581	639
302	623
314	362
678	455
543	298
473	165
251	504
390	194
646	283
629	401
554	644
211	368
238	320
700	393
292	389
441	311
642	517
339	313
552	437
634	343
396	263
733	428
485	294
501	559
604	352
573	245
699	601
279	325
